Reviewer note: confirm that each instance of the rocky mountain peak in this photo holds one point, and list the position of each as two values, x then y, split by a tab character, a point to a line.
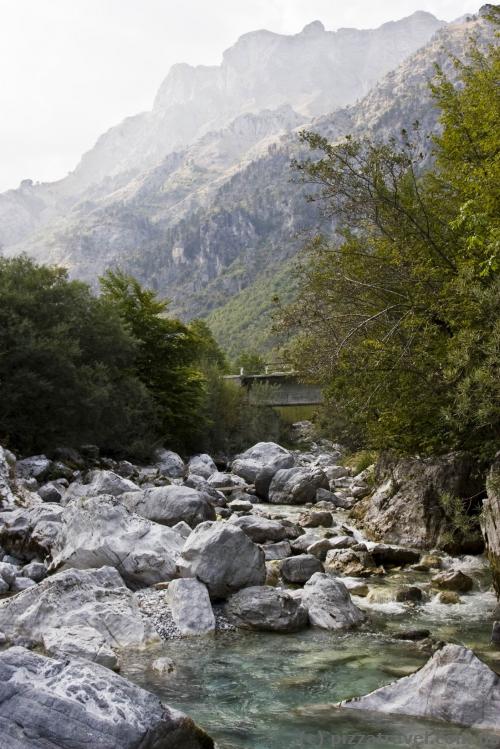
315	27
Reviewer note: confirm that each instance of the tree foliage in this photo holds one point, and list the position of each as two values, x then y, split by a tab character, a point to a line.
399	315
166	360
66	365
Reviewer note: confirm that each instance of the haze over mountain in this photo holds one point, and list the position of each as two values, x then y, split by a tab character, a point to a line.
194	196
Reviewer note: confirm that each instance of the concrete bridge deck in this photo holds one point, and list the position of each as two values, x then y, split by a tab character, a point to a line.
285	389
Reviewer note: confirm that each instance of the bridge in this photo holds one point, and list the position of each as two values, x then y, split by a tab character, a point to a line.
285	389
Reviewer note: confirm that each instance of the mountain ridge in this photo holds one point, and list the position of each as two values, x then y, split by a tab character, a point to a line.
215	220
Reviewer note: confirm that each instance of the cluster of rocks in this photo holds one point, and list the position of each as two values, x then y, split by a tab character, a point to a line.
99	555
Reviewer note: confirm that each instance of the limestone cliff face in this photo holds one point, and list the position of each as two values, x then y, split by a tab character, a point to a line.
409	508
491	522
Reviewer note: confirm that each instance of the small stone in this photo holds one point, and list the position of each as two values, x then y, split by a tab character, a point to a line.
431	560
300	569
9	559
410	594
8	572
495	633
320	549
449	596
22	583
279	550
453	580
317	519
163	666
182	528
240	505
36	571
51	492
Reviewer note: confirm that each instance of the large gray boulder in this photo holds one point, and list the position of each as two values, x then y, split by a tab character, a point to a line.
223	557
100	531
30	532
490	524
53	491
214	496
454	686
300	568
190	607
220	480
96	599
260	456
329	603
260	529
453	580
74	704
409	505
99	482
296	486
266	608
201	465
35	467
108	482
170	464
170	505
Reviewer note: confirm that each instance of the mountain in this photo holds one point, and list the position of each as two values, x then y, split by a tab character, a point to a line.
215	225
312	72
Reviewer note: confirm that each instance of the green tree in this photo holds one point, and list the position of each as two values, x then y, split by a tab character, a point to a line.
251	362
66	366
399	316
166	360
209	351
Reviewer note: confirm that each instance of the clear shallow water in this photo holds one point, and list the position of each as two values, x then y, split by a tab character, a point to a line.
259	691
268	691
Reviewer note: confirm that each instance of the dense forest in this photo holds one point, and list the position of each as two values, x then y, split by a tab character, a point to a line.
111	369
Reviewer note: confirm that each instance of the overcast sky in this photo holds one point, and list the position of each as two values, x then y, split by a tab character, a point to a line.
72	68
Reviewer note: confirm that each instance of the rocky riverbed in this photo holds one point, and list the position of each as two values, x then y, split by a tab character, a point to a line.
254	596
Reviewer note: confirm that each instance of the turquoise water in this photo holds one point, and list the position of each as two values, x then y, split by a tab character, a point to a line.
267	691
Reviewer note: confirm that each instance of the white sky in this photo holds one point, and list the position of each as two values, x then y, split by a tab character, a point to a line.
70	69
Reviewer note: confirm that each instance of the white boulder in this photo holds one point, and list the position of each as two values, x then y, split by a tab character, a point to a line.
202	465
223	557
190	607
170	464
329	603
73	599
453	686
100	531
169	505
76	704
296	486
260	456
